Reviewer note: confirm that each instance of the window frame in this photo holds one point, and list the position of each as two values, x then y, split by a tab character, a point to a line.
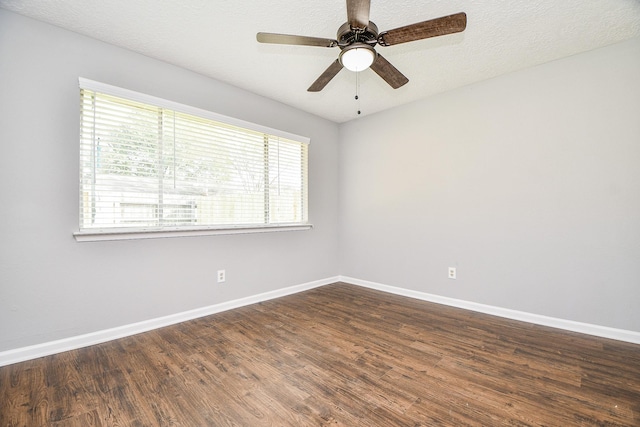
128	233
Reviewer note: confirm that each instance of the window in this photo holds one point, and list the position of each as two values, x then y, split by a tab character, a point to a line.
149	165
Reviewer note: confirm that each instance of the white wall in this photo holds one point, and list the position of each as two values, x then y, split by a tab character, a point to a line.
528	183
53	287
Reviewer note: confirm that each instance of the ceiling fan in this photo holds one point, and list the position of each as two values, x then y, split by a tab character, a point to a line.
357	38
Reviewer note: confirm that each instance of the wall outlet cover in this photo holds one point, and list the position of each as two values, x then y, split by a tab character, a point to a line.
222	276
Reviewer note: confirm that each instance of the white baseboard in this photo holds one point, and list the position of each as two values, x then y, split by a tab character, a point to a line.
569	325
39	350
45	349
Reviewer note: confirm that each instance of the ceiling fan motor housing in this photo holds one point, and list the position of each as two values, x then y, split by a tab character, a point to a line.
348	35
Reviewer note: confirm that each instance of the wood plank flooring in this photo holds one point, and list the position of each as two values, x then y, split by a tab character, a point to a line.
338	355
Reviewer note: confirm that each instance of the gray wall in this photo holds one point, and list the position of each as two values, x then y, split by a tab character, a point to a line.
52	287
528	183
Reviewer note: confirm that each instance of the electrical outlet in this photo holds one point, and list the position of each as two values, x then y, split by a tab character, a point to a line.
452	273
222	276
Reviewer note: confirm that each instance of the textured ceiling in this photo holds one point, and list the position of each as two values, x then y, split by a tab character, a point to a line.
216	38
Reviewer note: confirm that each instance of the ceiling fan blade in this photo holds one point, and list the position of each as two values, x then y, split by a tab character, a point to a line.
326	77
295	40
358	13
423	30
388	72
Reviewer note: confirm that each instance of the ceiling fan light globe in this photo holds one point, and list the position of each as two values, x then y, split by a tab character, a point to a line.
357	57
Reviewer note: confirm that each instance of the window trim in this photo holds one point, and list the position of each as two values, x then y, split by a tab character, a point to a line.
106	234
126	234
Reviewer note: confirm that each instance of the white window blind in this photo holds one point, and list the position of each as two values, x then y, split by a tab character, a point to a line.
147	167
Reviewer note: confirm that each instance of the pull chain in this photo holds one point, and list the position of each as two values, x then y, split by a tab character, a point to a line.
358	90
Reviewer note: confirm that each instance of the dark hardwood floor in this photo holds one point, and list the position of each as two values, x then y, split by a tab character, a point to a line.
338	355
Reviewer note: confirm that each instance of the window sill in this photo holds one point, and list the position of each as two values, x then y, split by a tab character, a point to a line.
124	234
